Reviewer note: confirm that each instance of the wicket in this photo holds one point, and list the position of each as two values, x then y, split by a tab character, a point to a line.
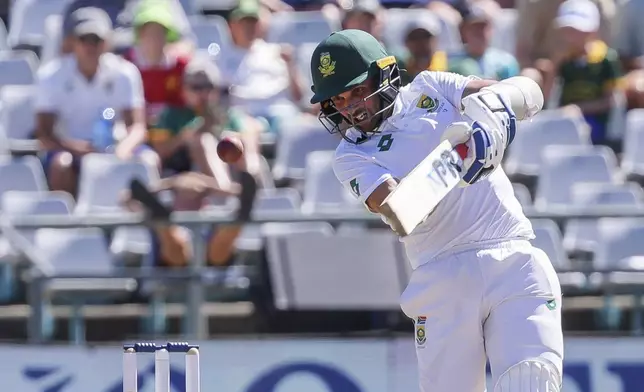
161	365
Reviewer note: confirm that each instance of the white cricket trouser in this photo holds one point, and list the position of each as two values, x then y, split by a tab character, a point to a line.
494	302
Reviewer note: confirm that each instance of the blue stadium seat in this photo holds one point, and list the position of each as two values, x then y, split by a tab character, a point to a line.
581	235
17	117
548	239
318	270
297	28
103	179
210	30
563	166
28	20
322	190
22	174
550	127
296	141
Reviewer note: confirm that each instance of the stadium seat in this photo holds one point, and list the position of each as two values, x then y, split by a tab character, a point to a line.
28	20
22	174
550	127
522	194
3	36
319	271
297	28
632	160
295	143
79	270
53	38
304	54
563	166
17	117
16	203
548	239
268	200
580	235
322	190
103	179
504	30
208	30
17	68
620	239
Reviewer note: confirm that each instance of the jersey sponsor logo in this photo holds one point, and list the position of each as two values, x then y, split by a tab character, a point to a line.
355	187
428	103
385	142
327	65
421	337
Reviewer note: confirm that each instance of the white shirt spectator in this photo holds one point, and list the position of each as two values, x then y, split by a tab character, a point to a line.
78	103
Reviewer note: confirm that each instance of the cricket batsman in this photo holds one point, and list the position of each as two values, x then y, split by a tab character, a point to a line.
479	290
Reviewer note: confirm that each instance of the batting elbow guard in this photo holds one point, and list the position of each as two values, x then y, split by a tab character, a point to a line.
523	95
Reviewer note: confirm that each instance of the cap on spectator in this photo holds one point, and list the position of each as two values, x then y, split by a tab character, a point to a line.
90	20
203	72
245	9
371	7
430	24
159	13
582	15
478	12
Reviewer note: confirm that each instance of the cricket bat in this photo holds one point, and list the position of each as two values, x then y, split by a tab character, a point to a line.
424	187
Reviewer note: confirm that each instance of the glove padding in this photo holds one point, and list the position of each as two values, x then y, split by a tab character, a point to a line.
474	145
486	138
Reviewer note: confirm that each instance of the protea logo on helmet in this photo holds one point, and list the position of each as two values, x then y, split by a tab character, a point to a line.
327	66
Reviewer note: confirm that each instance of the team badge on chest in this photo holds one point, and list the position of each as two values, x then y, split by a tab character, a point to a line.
421	338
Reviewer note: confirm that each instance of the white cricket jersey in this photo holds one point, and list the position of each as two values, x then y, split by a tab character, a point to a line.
483	212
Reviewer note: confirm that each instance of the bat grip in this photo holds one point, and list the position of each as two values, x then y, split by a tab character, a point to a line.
462	150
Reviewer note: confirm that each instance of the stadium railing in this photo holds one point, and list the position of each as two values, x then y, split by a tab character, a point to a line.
195	323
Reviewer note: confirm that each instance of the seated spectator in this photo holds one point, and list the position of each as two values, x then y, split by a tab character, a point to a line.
121	13
265	80
185	138
477	57
421	42
75	92
365	15
589	71
172	244
537	36
161	70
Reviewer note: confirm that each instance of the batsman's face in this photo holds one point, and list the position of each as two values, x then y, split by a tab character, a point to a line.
359	105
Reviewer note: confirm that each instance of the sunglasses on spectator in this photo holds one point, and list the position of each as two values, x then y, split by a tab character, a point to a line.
200	86
90	39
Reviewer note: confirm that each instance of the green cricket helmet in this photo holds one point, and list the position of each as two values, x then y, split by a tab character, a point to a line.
344	60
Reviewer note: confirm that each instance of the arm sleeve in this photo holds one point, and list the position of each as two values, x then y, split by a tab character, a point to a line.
129	88
449	84
359	175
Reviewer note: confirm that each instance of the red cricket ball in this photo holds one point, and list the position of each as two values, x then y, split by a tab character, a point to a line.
230	149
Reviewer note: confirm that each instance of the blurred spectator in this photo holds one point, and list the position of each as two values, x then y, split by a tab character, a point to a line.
161	70
589	71
186	137
421	42
122	13
537	35
477	57
629	42
365	15
172	244
267	81
73	94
